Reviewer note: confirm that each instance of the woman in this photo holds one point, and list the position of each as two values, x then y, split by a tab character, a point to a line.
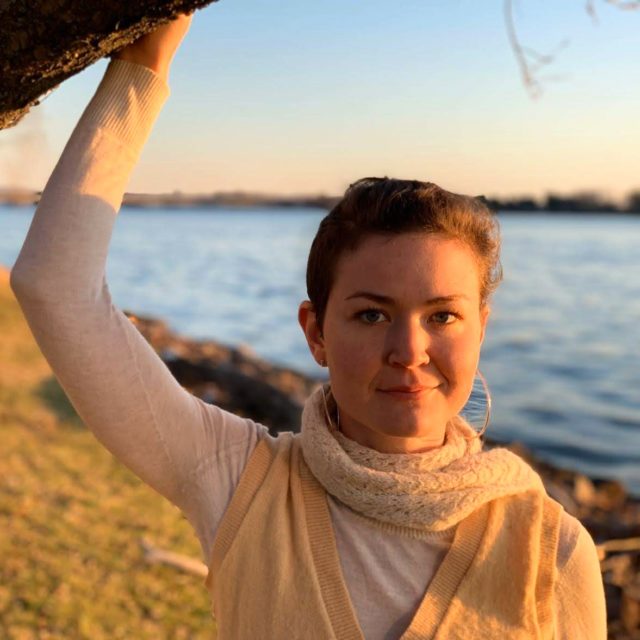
384	518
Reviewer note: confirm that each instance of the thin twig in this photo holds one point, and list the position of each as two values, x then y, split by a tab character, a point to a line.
532	85
590	8
629	5
531	61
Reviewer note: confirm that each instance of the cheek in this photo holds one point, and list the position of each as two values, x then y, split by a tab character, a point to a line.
459	359
351	354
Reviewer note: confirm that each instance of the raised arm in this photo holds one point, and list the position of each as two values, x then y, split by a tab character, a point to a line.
190	452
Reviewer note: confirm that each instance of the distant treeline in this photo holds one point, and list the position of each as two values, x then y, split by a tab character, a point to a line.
178	199
577	203
583	202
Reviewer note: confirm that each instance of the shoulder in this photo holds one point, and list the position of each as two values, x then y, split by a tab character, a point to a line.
571	529
273	455
576	548
282	444
579	590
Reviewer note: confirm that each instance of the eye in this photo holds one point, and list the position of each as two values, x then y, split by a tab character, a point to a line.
444	317
371	316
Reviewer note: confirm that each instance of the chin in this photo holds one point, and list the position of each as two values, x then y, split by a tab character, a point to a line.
411	426
408	432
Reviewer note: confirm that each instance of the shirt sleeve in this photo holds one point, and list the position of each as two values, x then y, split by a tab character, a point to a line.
190	452
580	604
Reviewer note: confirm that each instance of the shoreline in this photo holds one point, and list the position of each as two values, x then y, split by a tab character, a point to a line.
551	205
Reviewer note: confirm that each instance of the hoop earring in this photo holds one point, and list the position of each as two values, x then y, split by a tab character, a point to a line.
487	415
326	411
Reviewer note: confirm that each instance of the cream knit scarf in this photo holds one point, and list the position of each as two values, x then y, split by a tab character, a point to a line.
429	491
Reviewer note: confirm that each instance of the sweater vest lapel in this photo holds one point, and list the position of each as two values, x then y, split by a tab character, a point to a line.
508	590
274	570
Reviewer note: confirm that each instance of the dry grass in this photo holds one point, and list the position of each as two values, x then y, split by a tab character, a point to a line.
71	518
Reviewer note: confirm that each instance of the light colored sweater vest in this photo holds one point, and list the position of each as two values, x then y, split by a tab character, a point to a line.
275	572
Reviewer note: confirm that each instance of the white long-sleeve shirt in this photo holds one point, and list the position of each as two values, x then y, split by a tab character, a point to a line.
191	452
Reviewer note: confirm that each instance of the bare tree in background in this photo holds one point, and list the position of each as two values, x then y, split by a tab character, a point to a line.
530	61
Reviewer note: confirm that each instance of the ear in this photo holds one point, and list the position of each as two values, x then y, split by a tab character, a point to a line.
485	312
313	334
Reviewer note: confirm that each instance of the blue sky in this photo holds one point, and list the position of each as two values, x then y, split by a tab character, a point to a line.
290	97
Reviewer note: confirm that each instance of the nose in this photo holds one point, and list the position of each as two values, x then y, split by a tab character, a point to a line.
407	344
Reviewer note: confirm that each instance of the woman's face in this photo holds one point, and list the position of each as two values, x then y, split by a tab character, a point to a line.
402	334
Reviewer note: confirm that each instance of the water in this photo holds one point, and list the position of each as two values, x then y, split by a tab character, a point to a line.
562	350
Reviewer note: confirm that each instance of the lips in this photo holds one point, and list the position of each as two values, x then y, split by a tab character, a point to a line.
406	391
409	384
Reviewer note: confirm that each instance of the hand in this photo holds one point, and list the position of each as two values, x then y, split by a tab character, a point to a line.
156	49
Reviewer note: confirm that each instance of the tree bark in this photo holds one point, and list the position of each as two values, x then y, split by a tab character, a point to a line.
44	42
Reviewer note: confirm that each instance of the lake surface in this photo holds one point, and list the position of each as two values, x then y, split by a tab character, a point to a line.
562	352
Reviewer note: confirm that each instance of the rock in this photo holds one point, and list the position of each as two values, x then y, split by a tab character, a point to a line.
234	379
604	525
610	495
603	494
630	606
212	394
155	331
613	597
583	490
617	570
44	42
246	351
561	495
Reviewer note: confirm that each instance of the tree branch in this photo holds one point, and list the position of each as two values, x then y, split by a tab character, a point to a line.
530	61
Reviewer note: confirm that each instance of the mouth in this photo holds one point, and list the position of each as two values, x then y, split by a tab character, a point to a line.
406	392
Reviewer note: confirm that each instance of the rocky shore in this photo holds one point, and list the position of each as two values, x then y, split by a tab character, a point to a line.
237	380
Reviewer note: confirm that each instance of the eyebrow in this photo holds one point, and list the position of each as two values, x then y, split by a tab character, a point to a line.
379	298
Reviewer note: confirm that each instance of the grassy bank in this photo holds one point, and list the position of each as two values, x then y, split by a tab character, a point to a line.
71	518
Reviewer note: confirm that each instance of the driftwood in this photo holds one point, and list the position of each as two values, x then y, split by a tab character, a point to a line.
155	555
44	42
628	544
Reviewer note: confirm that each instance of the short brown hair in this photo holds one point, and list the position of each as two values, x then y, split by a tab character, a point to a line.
387	206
